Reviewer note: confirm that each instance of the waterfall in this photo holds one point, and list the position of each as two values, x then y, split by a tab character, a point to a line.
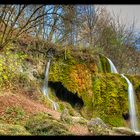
132	107
112	66
131	95
45	86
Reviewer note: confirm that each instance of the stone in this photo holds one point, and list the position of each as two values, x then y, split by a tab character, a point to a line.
79	120
97	127
137	133
65	116
123	130
97	122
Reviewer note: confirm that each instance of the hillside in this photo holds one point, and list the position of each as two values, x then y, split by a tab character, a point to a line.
91	100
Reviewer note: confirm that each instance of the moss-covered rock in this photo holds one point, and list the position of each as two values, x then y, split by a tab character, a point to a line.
110	99
75	76
88	75
104	64
42	124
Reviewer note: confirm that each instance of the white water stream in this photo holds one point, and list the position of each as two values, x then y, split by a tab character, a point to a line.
112	66
132	107
131	96
45	86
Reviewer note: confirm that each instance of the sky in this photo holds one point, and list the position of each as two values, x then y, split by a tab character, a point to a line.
127	13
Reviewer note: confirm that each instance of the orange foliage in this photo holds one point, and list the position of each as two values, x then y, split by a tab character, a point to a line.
81	77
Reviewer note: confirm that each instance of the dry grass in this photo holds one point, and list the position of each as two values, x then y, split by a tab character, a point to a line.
30	106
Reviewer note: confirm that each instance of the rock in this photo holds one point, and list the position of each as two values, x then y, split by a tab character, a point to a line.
97	122
65	116
137	133
123	130
97	127
80	120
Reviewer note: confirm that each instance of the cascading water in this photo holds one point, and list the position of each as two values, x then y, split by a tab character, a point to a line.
132	108
131	95
45	86
112	66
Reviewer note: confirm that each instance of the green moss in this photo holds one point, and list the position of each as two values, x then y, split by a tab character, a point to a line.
9	129
116	121
104	94
74	76
135	79
104	65
110	97
61	106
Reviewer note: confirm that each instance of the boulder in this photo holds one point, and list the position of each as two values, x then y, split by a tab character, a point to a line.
97	127
79	120
65	116
123	130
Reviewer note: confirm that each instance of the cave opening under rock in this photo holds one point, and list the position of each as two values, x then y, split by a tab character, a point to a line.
63	94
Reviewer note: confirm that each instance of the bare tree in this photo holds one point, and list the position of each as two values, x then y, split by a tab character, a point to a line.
13	28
